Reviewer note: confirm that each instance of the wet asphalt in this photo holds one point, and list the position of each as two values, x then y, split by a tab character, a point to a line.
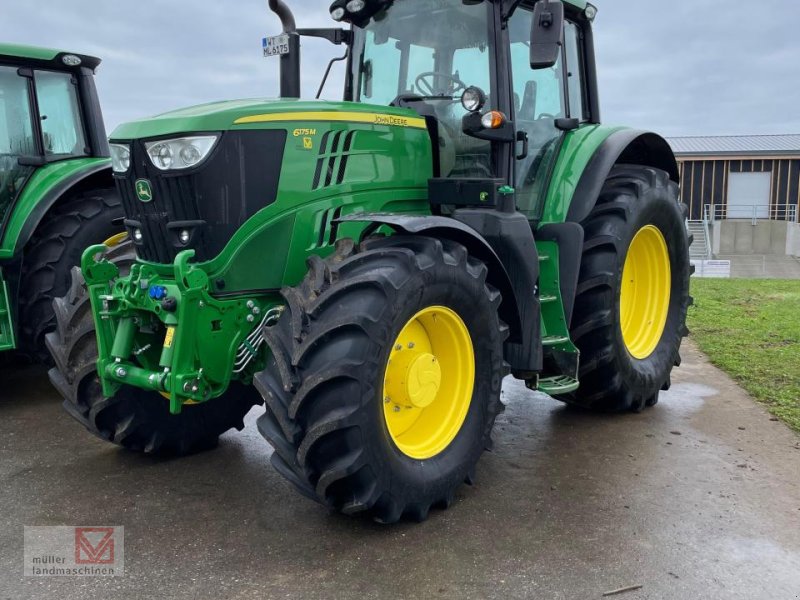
698	498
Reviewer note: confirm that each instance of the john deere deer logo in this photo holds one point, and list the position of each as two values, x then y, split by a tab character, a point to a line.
143	190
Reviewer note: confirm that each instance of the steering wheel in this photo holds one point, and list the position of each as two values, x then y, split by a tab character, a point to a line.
427	87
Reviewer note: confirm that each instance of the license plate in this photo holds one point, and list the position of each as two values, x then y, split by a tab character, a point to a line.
277	45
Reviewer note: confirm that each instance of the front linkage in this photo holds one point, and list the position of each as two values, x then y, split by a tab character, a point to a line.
168	334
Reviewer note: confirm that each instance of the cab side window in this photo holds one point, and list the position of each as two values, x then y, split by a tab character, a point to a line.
573	46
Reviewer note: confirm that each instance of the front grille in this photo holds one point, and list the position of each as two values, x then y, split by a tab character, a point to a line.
211	201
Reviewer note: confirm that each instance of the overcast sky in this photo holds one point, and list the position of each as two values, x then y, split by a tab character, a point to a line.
699	67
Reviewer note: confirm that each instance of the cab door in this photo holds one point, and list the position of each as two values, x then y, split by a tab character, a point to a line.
16	136
545	102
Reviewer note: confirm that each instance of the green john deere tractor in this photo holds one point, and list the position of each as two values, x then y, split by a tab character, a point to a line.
370	270
57	192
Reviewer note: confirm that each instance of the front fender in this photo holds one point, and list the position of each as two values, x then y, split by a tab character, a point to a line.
442	227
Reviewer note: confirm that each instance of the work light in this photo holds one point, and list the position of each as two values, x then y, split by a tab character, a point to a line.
473	99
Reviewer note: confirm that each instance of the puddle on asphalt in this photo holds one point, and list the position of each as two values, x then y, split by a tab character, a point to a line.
687	398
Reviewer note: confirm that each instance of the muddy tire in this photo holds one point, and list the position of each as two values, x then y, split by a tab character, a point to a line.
82	221
625	361
328	409
135	419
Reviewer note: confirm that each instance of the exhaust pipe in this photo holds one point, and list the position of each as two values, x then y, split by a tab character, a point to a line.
284	14
290	63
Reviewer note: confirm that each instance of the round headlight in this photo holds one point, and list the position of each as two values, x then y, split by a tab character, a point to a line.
190	155
162	156
337	14
473	99
355	6
590	12
120	157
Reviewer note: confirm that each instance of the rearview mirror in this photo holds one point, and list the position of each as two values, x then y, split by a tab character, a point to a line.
547	34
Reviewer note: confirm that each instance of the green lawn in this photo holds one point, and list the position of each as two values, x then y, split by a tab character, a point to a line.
751	329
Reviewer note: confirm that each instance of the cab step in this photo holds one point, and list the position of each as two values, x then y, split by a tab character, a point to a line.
555	340
554	386
6	326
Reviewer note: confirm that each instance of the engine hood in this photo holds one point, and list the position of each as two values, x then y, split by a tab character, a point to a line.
245	114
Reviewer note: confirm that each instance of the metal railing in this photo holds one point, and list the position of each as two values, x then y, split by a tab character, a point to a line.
701	246
751	212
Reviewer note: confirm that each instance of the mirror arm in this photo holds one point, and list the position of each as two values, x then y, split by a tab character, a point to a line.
336	36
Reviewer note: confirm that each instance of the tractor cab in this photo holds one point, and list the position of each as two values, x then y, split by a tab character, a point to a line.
42	118
453	60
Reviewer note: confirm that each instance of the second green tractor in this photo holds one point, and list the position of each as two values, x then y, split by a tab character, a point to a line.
371	270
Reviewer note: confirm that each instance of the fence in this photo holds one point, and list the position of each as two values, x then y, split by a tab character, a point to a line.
753	212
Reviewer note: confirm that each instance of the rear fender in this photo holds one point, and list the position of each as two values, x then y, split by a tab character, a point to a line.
46	187
626	146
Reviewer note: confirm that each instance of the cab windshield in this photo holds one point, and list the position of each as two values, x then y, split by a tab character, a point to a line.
427	52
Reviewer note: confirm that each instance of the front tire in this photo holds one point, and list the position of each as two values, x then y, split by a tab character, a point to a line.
633	292
135	419
81	221
348	429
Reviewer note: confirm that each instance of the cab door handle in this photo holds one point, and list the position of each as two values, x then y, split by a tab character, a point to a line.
522	136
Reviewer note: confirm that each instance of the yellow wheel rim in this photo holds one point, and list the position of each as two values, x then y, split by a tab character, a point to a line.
427	388
645	292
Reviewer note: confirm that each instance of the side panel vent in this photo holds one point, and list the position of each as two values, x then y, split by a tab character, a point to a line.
334	152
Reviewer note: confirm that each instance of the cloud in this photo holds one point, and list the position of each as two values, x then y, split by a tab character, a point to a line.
680	68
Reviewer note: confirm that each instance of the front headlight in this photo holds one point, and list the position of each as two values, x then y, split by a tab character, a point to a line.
120	157
180	153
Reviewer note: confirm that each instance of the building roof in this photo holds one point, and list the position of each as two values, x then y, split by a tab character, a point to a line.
736	145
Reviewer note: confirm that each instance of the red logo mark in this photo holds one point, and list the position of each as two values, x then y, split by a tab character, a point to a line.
94	545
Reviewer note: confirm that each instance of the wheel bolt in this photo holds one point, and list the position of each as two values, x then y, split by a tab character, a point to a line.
398	347
410	345
121	372
387	400
396	408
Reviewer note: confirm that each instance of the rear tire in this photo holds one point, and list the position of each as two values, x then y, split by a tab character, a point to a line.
612	379
135	419
325	386
82	221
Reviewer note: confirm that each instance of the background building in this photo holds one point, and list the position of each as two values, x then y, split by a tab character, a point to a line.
740	177
743	194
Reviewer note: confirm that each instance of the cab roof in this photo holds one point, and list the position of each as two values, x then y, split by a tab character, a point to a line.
43	57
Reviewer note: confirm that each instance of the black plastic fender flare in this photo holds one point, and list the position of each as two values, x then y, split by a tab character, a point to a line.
628	146
442	227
